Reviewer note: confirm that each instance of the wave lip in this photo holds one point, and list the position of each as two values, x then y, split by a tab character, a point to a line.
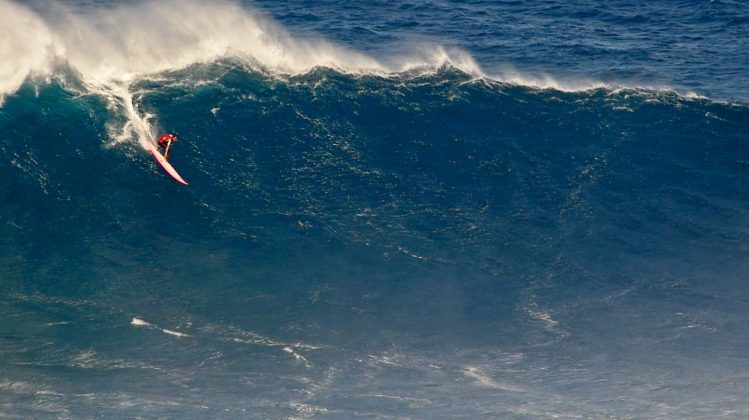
125	43
27	47
111	48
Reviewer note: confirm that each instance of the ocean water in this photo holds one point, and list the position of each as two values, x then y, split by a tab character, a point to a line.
417	209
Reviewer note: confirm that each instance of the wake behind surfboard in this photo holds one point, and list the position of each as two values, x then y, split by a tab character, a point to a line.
165	164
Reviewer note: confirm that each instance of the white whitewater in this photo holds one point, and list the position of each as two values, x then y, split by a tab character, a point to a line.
110	48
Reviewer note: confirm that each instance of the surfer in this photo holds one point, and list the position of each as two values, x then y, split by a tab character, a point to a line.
165	141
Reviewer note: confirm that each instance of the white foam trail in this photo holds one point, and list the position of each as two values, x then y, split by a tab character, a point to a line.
174	333
137	125
397	397
484	380
297	356
254	339
510	75
141	323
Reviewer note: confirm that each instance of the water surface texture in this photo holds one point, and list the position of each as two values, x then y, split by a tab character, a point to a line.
417	209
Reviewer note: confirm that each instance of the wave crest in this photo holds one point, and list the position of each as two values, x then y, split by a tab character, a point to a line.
111	47
27	47
125	42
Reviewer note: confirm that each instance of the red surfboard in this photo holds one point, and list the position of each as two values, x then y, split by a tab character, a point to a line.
165	164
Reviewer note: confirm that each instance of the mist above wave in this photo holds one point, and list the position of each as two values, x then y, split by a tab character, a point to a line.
116	45
27	47
111	47
123	43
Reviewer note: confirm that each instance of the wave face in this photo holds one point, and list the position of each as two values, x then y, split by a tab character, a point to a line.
362	236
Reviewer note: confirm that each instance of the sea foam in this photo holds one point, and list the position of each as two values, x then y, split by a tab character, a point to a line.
109	48
126	42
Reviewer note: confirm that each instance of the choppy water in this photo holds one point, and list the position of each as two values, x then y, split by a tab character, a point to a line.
422	210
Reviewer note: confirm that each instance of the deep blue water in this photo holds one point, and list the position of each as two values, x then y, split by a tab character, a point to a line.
438	242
